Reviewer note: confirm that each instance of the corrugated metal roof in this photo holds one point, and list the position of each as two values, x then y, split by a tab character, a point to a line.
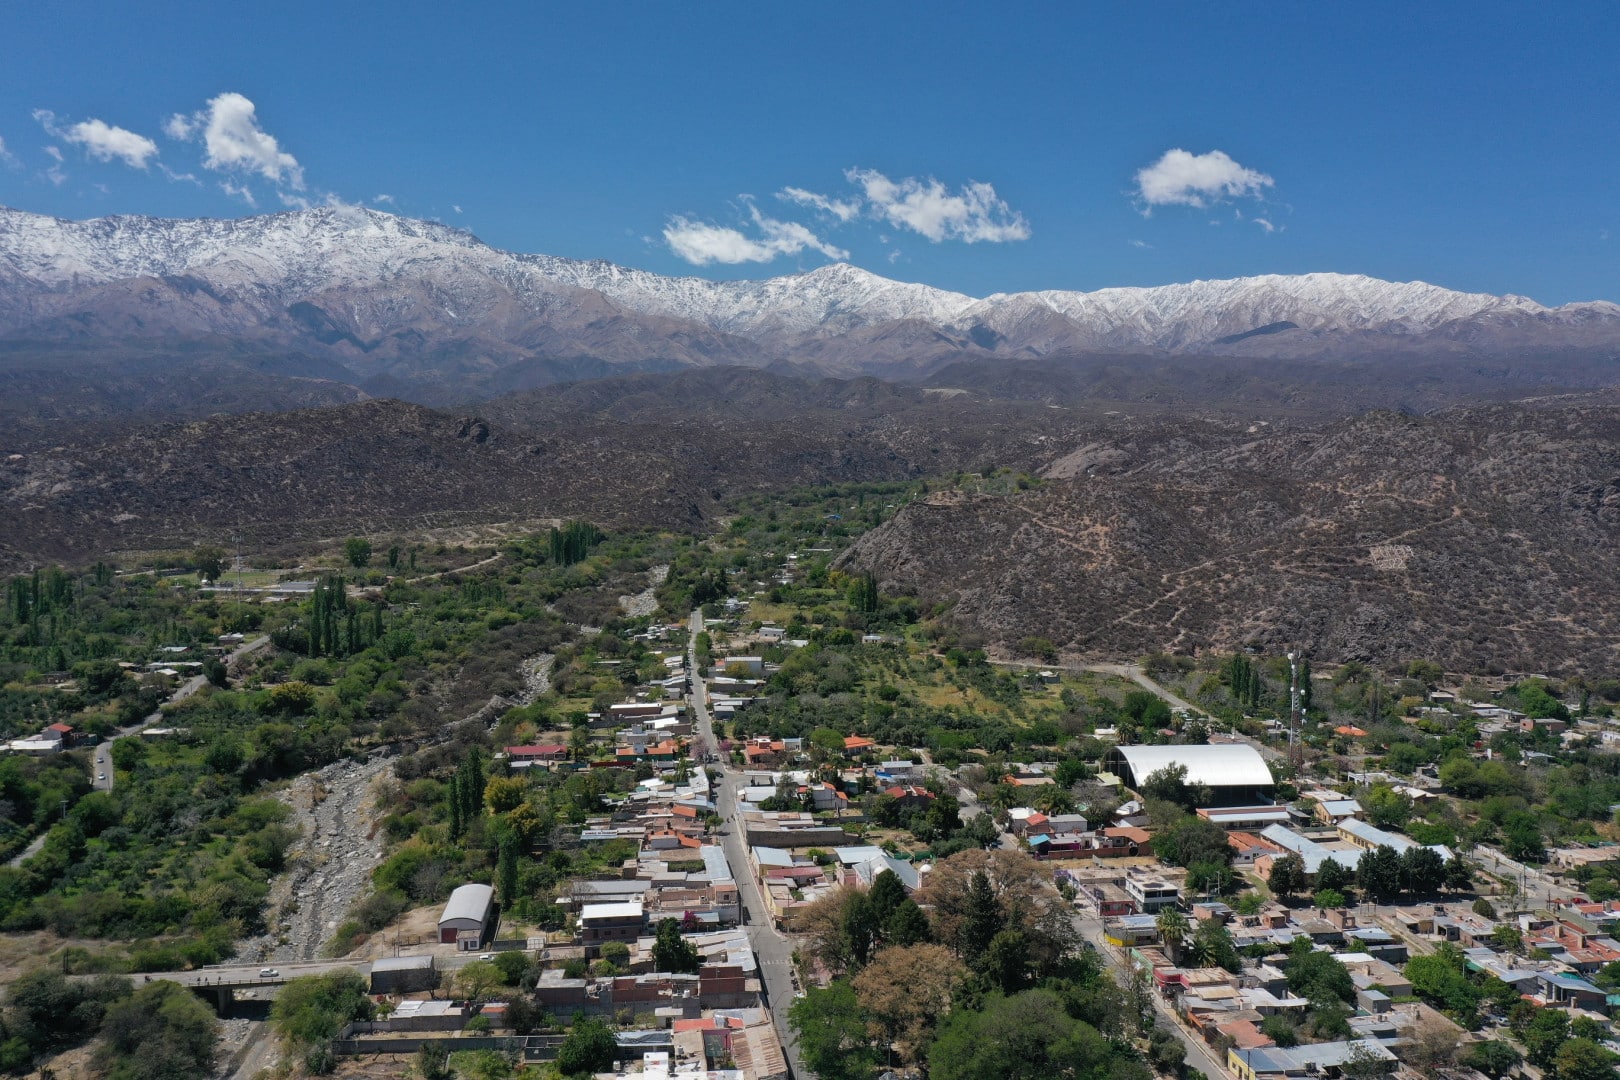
468	902
1231	765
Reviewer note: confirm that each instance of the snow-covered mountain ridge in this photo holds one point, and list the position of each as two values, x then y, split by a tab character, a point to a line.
354	264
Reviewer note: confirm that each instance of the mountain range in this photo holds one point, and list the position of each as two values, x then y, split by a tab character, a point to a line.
355	299
1373	470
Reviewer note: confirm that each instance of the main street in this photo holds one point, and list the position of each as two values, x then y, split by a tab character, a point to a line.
772	949
1199	1054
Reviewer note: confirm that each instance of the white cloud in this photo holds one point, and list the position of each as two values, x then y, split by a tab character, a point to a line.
456	208
1180	178
6	156
292	201
55	174
1266	225
172	175
928	208
1143	244
230	131
389	199
239	192
101	140
701	243
842	209
104	142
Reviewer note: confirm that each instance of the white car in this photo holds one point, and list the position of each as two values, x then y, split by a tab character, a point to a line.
269	973
101	776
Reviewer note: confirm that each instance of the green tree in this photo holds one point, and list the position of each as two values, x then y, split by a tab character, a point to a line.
1379	874
163	1030
1287	876
1328	898
506	871
1028	1036
1493	1057
672	952
834	1040
907	926
1423	870
1193	840
208	561
1584	1059
863	593
1216	947
312	1009
590	1047
982	919
885	896
1317	976
1332	874
357	550
1005	963
1521	837
433	1061
860	929
1442	980
1386	807
1547	1030
1173	929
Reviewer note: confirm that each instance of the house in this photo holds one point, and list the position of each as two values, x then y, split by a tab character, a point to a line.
599	923
856	745
1245	817
403	974
1151	894
908	796
1308	1060
541	753
1125	840
465	920
1111	900
1369	837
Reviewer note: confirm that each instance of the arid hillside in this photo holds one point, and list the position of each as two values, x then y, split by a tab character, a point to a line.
1476	537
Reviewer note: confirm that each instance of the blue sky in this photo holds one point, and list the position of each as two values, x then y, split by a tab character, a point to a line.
981	148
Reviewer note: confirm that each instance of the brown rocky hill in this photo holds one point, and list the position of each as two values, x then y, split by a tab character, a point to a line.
1476	537
635	450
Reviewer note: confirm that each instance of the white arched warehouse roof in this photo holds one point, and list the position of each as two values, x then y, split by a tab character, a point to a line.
1227	765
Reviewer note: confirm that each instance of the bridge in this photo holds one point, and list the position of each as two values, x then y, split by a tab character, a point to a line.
222	981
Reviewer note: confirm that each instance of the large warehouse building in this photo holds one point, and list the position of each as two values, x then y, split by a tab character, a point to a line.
466	919
1235	773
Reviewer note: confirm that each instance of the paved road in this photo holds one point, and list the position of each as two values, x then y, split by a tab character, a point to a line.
102	775
773	951
1537	890
1199	1055
101	766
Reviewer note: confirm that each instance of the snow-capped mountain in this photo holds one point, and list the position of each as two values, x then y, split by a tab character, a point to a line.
381	291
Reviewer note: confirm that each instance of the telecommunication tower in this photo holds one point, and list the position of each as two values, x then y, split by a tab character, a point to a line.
1296	715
